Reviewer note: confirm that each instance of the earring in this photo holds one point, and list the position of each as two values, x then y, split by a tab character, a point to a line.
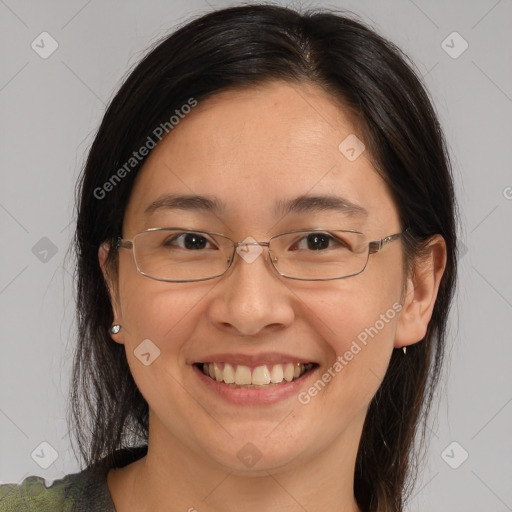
115	329
404	349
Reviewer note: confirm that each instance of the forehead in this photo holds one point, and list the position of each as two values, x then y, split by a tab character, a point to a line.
259	146
287	122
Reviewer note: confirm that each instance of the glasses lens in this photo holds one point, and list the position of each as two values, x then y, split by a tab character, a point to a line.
320	254
179	255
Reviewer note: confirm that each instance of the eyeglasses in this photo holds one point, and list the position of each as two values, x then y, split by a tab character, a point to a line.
184	255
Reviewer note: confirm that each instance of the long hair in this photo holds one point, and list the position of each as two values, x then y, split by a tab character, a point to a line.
241	47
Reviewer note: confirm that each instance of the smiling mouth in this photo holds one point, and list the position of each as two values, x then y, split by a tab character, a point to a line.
263	376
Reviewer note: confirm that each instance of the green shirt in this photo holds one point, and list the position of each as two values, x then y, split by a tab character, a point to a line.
86	491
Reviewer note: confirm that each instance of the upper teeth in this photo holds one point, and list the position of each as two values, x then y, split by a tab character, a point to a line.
260	376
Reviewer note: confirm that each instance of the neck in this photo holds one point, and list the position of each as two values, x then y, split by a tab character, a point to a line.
173	474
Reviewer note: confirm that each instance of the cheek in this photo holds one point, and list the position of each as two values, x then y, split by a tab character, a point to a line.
358	325
350	308
363	359
160	319
159	310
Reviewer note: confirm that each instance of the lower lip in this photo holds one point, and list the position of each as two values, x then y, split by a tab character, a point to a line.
254	396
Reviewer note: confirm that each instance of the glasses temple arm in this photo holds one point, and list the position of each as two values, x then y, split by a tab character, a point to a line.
119	243
377	245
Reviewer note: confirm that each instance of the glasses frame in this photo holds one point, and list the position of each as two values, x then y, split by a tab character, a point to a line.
374	246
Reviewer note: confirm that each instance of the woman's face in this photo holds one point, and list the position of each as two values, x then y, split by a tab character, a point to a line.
252	151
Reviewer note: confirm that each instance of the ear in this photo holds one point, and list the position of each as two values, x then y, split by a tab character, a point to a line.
421	293
112	288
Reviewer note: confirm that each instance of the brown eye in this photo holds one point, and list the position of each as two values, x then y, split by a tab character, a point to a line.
318	242
191	241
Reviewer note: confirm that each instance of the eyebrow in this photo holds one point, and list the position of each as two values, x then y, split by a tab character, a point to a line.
300	204
310	203
184	202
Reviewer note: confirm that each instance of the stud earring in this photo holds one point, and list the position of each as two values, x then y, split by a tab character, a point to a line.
115	329
404	349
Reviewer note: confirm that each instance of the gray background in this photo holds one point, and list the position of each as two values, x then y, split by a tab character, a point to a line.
50	109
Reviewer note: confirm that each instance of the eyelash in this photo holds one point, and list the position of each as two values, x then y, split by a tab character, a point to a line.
320	233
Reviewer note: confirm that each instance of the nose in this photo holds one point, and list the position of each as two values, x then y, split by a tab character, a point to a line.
251	297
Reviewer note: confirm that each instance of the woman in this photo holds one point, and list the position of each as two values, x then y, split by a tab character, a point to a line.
266	245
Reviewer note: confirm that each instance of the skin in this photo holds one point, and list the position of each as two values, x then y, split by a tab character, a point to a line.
251	148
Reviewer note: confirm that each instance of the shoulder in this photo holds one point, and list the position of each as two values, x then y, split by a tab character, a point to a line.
33	494
85	491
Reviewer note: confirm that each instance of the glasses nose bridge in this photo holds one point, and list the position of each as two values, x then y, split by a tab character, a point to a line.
240	244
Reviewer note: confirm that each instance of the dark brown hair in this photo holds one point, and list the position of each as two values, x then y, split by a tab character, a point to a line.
246	46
